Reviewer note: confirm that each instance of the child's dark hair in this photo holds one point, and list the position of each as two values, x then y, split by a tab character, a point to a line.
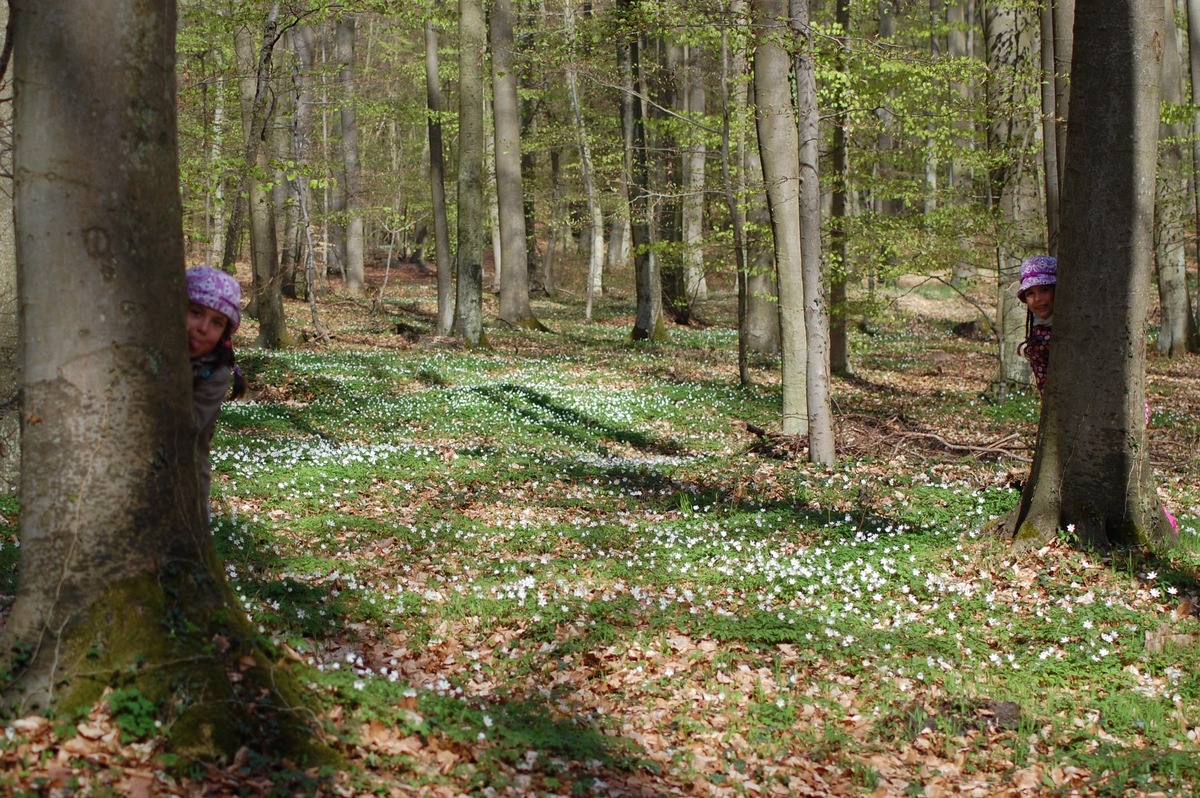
225	356
1028	332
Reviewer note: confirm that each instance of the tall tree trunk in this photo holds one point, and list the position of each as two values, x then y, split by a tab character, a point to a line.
437	183
1064	47
1050	153
692	205
120	583
648	324
352	174
266	295
468	311
1193	23
667	228
957	178
231	239
302	45
778	143
10	437
493	208
762	290
1091	472
619	243
1177	332
839	351
216	220
1013	192
816	312
556	224
515	308
735	190
284	189
595	223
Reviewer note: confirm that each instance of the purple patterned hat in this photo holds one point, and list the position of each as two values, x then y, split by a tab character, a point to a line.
216	290
1037	270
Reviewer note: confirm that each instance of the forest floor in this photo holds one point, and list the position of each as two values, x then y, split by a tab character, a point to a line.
573	565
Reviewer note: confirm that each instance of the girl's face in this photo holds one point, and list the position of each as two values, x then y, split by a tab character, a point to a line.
1040	300
205	328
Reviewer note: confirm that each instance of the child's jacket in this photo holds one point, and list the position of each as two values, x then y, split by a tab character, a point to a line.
210	384
1037	352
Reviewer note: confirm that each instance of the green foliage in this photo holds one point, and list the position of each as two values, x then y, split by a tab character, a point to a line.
135	715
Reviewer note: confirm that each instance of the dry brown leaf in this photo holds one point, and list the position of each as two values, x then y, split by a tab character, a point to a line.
32	725
1028	779
137	784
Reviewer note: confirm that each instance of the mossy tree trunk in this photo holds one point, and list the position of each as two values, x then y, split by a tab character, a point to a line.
119	581
1091	473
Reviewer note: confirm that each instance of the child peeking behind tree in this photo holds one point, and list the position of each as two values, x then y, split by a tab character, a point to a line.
1039	273
213	317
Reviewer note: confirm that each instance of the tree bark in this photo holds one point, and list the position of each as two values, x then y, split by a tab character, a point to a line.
695	155
10	438
1050	153
120	583
1064	47
515	308
1014	191
595	224
648	324
468	311
839	350
1193	23
302	45
1091	472
437	183
778	143
266	293
668	176
816	312
732	109
1177	331
352	171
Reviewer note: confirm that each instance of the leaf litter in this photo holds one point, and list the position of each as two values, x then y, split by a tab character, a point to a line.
721	620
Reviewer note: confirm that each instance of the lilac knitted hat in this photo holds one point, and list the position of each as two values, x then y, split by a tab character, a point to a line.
216	290
1037	270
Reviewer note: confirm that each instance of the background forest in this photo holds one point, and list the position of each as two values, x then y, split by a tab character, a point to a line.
520	493
929	139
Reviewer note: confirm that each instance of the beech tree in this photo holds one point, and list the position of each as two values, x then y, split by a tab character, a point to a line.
437	181
648	324
266	293
468	309
1091	472
119	580
352	173
778	143
1177	334
515	307
812	267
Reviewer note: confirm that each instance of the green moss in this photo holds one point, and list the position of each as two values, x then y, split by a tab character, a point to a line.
1028	534
178	638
